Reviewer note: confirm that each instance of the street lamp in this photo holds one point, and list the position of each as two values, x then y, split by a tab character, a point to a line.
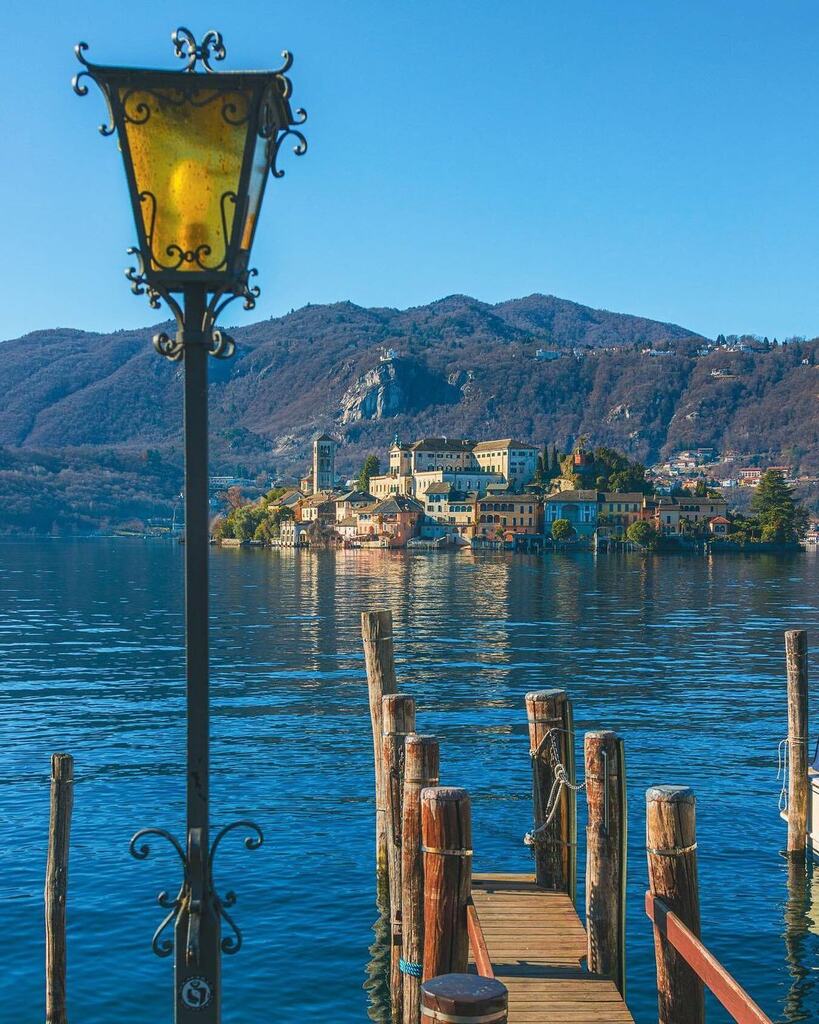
197	146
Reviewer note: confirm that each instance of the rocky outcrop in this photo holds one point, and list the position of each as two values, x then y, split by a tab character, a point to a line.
394	387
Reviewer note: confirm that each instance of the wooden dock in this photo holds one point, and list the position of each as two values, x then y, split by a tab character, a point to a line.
505	948
536	944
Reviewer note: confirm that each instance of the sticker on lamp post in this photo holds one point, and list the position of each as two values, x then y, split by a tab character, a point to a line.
196	993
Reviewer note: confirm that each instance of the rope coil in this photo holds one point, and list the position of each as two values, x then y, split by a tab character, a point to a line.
408	967
560	780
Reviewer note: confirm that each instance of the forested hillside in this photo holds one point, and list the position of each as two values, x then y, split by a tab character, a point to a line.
90	424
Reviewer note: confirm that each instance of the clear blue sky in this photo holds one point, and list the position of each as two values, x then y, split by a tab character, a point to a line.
656	158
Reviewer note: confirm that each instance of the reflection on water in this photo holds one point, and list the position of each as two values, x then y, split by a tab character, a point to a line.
801	911
683	656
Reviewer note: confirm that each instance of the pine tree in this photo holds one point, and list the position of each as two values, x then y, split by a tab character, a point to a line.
781	520
371	467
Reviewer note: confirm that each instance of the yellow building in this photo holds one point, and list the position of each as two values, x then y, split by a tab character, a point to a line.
502	515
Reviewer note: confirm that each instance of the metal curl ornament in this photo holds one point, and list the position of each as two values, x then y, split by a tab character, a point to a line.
186	48
169	347
82	90
230	944
299	149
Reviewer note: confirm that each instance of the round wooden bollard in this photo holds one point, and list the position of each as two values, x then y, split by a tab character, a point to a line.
605	855
671	847
546	713
56	886
398	717
796	662
446	834
464	997
376	636
421	755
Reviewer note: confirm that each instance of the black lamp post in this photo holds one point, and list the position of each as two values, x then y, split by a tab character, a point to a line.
197	149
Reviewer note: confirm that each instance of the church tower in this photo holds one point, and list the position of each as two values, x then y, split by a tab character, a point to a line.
324	463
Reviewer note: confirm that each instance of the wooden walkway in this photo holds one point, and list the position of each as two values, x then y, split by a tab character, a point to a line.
536	943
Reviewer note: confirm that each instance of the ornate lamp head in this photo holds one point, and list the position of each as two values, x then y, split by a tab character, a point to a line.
197	146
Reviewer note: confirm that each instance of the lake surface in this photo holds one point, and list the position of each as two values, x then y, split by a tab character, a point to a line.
683	656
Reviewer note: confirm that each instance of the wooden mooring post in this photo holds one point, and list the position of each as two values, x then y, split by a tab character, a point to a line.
464	997
56	886
398	720
796	662
376	635
606	837
671	846
551	748
446	836
421	756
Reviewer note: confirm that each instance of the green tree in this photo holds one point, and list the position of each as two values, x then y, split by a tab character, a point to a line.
642	533
781	520
562	529
371	467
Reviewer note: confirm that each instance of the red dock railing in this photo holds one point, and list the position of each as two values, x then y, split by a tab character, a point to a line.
704	964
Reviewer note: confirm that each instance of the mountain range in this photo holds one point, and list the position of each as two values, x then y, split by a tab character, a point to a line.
90	425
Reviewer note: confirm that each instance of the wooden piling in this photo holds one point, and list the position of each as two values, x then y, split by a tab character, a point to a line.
464	997
398	719
606	856
796	661
671	845
56	886
446	835
420	770
376	635
551	747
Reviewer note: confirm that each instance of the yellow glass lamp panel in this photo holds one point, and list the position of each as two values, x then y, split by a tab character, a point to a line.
187	150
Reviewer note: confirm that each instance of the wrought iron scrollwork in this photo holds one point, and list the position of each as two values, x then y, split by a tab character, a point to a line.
161	946
299	149
230	944
141	286
81	89
186	48
233	943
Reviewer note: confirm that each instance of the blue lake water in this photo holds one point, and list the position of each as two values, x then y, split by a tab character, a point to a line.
683	656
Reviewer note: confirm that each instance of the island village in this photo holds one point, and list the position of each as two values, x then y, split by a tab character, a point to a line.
440	492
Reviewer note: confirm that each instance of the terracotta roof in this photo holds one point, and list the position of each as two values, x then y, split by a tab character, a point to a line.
397	503
622	496
442	444
357	497
507	442
721	520
574	496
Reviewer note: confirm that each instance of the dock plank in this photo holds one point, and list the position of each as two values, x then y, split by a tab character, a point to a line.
537	945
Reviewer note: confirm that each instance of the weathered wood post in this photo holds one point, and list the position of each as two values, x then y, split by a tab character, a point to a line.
796	661
420	770
671	845
551	747
398	719
446	835
606	833
464	997
56	885
376	635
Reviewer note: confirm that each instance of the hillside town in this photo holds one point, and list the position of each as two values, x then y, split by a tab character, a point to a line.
441	492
